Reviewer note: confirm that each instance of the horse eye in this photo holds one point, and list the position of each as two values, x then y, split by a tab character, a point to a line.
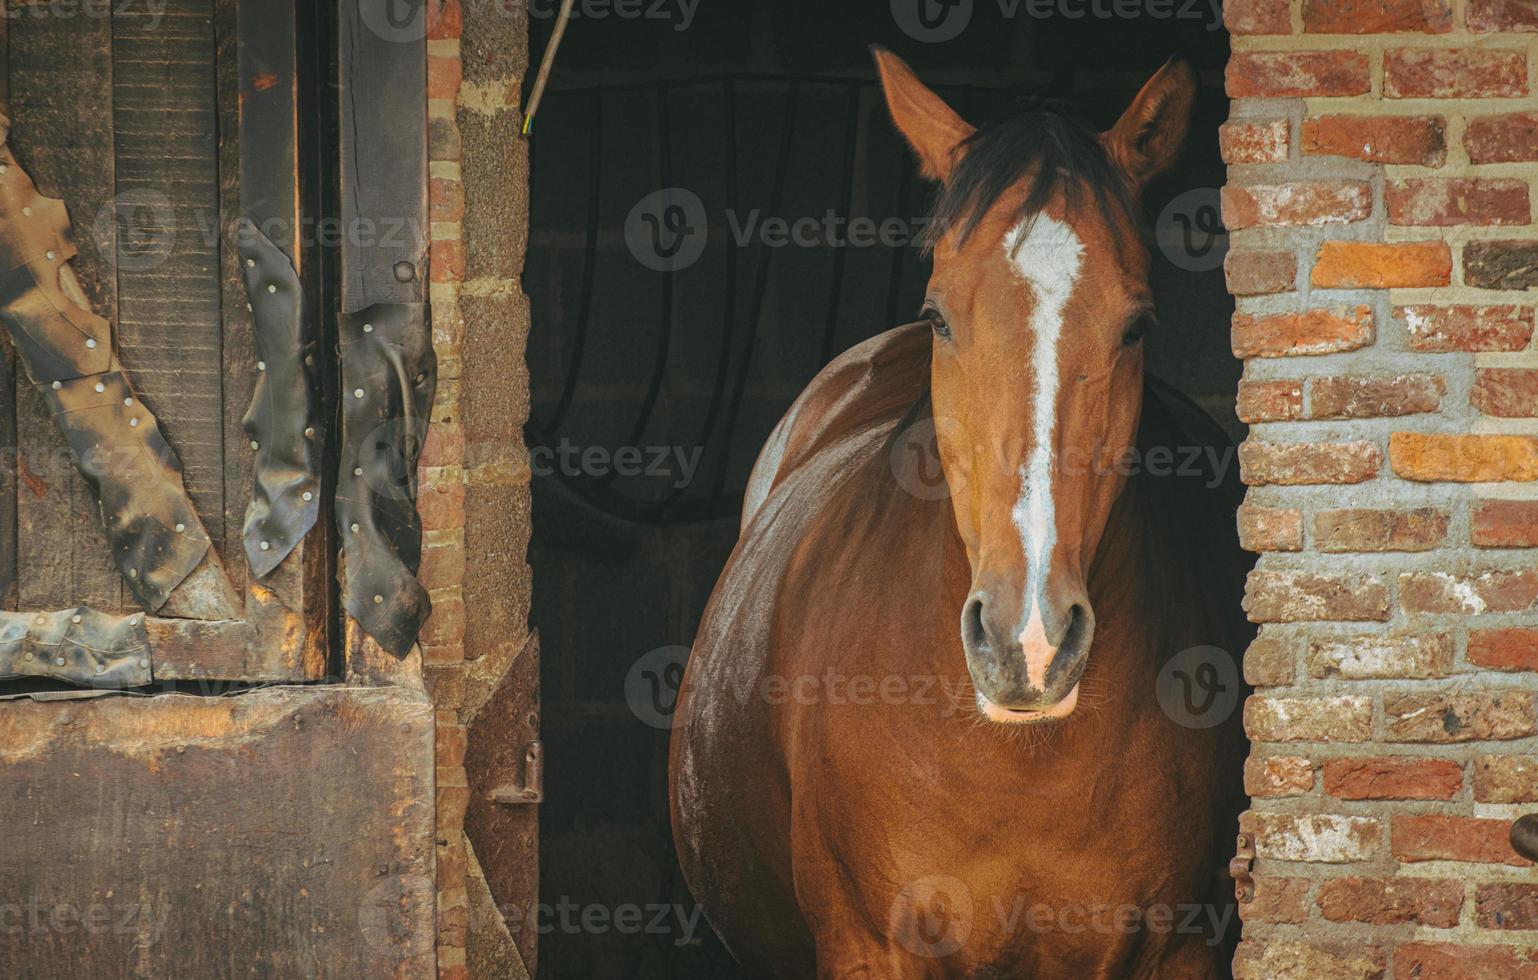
936	321
1134	334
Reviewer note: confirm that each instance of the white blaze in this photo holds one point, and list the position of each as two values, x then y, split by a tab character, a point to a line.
1048	256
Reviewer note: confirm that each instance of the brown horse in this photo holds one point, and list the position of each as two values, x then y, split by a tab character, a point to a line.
860	789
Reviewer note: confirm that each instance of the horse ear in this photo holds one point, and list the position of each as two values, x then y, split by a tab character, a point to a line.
1150	135
930	126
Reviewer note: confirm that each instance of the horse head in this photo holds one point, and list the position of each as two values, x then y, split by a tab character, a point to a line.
1038	301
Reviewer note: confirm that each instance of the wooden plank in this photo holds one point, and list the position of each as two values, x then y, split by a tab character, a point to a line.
168	326
61	112
285	832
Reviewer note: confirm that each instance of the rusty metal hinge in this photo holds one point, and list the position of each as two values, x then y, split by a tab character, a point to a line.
532	787
1240	866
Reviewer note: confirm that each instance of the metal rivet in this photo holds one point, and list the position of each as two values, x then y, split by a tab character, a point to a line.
50	255
309	360
133	423
368	328
133	573
180	528
2	168
271	288
29	656
248	308
41	620
135	620
100	386
250	263
357	471
128	401
261	365
309	432
378	599
355	529
255	444
144	663
57	385
308	495
265	546
90	344
100	669
27	211
75	619
357	392
59	661
405	271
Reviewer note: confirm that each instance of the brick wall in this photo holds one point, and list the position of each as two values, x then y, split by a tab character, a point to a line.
1381	160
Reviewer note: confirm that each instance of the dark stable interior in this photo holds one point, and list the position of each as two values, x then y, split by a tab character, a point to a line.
762	109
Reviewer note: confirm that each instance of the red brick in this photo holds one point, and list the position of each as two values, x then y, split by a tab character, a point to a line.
1393	778
1394	901
1445	329
1376	265
1495	591
1291	597
1269	662
1378	139
450	745
443	566
1458	201
1307	463
1269	401
1501	16
1445	961
1252	141
1503	905
1279	959
1310	332
1376	16
1252	273
1270	528
1278	775
1501	264
445	443
1318	838
1358	397
1432	837
1274	74
447	257
445	20
1308	203
1506	392
446	625
1507	138
1454	73
1450	718
1506	779
1506	649
1363	529
442	506
443	78
1258	16
1277	900
445	199
1464	458
1505	524
1375	655
1337	719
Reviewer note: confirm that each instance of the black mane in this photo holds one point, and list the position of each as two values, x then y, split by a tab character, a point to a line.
1043	141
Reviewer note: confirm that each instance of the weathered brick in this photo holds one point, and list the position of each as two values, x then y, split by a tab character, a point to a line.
1463	458
1303	463
1259	273
1258	16
1381	655
1434	837
443	566
1506	779
1378	265
1492	16
1363	529
1501	264
446	625
1310	332
1269	401
1454	73
443	78
1458	201
1378	139
1446	961
1270	528
1393	778
1359	397
1376	16
1504	649
450	745
447	258
1253	141
1506	392
1454	717
445	200
1314	837
1286	597
1277	959
1394	901
1506	138
1296	74
1277	900
1474	593
1333	719
445	20
1307	203
1443	329
1506	905
1269	662
1278	775
1505	524
442	507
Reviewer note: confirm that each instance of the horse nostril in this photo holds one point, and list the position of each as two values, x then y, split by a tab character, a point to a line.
974	634
1080	622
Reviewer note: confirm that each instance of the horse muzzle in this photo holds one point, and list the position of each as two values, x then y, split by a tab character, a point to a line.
1027	673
